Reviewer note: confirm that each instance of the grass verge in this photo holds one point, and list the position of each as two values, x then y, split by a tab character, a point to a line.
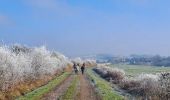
70	93
38	93
103	87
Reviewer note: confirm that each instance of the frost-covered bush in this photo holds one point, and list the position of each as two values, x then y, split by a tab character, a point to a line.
148	83
129	84
164	86
77	60
147	86
108	73
88	62
21	64
16	48
144	85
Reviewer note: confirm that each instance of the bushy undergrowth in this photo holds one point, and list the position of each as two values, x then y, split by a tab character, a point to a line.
111	74
20	64
149	86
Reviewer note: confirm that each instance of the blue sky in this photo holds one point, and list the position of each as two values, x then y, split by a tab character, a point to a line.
82	27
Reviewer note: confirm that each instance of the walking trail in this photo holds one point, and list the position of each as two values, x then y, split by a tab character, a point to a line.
84	90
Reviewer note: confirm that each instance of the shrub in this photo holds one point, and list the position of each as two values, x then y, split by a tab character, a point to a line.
113	74
144	85
21	64
147	86
88	62
164	86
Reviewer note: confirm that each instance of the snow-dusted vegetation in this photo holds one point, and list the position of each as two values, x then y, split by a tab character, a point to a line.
147	86
20	64
88	62
111	74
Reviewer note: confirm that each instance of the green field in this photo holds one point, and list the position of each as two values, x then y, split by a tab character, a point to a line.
132	70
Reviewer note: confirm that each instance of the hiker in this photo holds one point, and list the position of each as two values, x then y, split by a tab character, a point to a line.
75	68
83	68
78	68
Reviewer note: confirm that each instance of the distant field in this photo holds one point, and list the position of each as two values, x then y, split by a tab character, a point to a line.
132	70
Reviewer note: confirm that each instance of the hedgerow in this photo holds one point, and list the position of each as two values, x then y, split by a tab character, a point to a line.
147	86
23	65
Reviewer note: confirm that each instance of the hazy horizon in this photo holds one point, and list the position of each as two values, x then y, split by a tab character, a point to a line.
87	27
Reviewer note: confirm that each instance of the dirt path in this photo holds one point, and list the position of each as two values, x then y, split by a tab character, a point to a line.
85	90
59	90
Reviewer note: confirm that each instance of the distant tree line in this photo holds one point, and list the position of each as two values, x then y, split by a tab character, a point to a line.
156	60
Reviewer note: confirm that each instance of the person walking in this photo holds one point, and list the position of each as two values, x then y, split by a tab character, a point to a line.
75	68
83	68
78	68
